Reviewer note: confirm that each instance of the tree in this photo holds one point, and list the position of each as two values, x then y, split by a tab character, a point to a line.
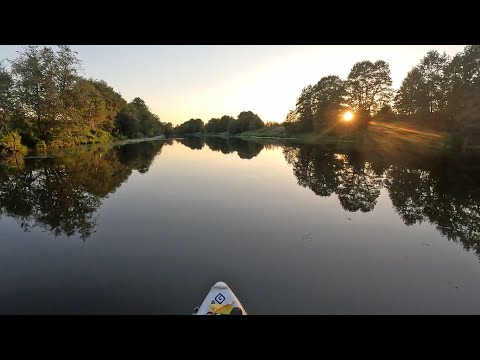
114	103
90	109
463	97
291	122
127	122
329	95
45	97
246	121
66	74
6	97
168	129
44	82
137	121
386	113
432	68
234	127
212	125
368	86
10	139
223	123
189	127
305	108
249	121
412	95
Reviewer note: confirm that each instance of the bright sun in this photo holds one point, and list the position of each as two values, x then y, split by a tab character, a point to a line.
348	116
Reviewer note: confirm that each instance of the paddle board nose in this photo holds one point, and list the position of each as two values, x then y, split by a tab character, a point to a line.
220	285
220	301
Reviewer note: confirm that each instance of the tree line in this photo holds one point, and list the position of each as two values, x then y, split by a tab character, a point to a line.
245	121
440	92
44	101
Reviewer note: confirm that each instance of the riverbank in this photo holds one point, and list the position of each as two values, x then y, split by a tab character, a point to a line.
52	153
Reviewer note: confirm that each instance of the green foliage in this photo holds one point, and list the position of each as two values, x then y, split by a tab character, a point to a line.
7	105
246	121
270	124
11	142
168	130
386	113
45	98
368	86
291	124
216	125
424	90
191	126
137	119
114	103
329	95
305	108
40	145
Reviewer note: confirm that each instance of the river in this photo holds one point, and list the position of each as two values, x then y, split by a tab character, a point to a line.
148	228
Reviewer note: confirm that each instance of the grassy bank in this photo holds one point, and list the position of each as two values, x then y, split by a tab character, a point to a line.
377	133
380	136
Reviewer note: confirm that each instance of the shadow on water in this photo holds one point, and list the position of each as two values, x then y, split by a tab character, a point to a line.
62	194
438	189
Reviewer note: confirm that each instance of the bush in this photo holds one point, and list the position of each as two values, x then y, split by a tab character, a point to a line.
11	142
40	145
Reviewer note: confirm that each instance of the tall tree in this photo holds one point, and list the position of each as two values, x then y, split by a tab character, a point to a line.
249	121
6	96
246	121
305	108
90	109
329	94
114	103
432	67
66	74
137	121
189	127
463	74
369	86
43	83
412	95
9	137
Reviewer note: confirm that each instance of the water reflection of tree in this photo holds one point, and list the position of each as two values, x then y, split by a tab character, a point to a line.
193	142
446	195
349	176
437	190
359	185
245	149
61	195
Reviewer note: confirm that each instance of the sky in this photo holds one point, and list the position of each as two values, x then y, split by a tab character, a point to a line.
180	82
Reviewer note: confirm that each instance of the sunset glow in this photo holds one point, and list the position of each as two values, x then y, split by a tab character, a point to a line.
180	82
348	116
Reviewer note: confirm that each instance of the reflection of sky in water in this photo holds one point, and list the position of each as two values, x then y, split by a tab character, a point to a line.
199	216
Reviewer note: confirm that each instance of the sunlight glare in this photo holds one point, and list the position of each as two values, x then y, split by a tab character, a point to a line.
348	116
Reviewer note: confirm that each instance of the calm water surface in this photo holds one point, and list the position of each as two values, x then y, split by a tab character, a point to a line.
147	228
